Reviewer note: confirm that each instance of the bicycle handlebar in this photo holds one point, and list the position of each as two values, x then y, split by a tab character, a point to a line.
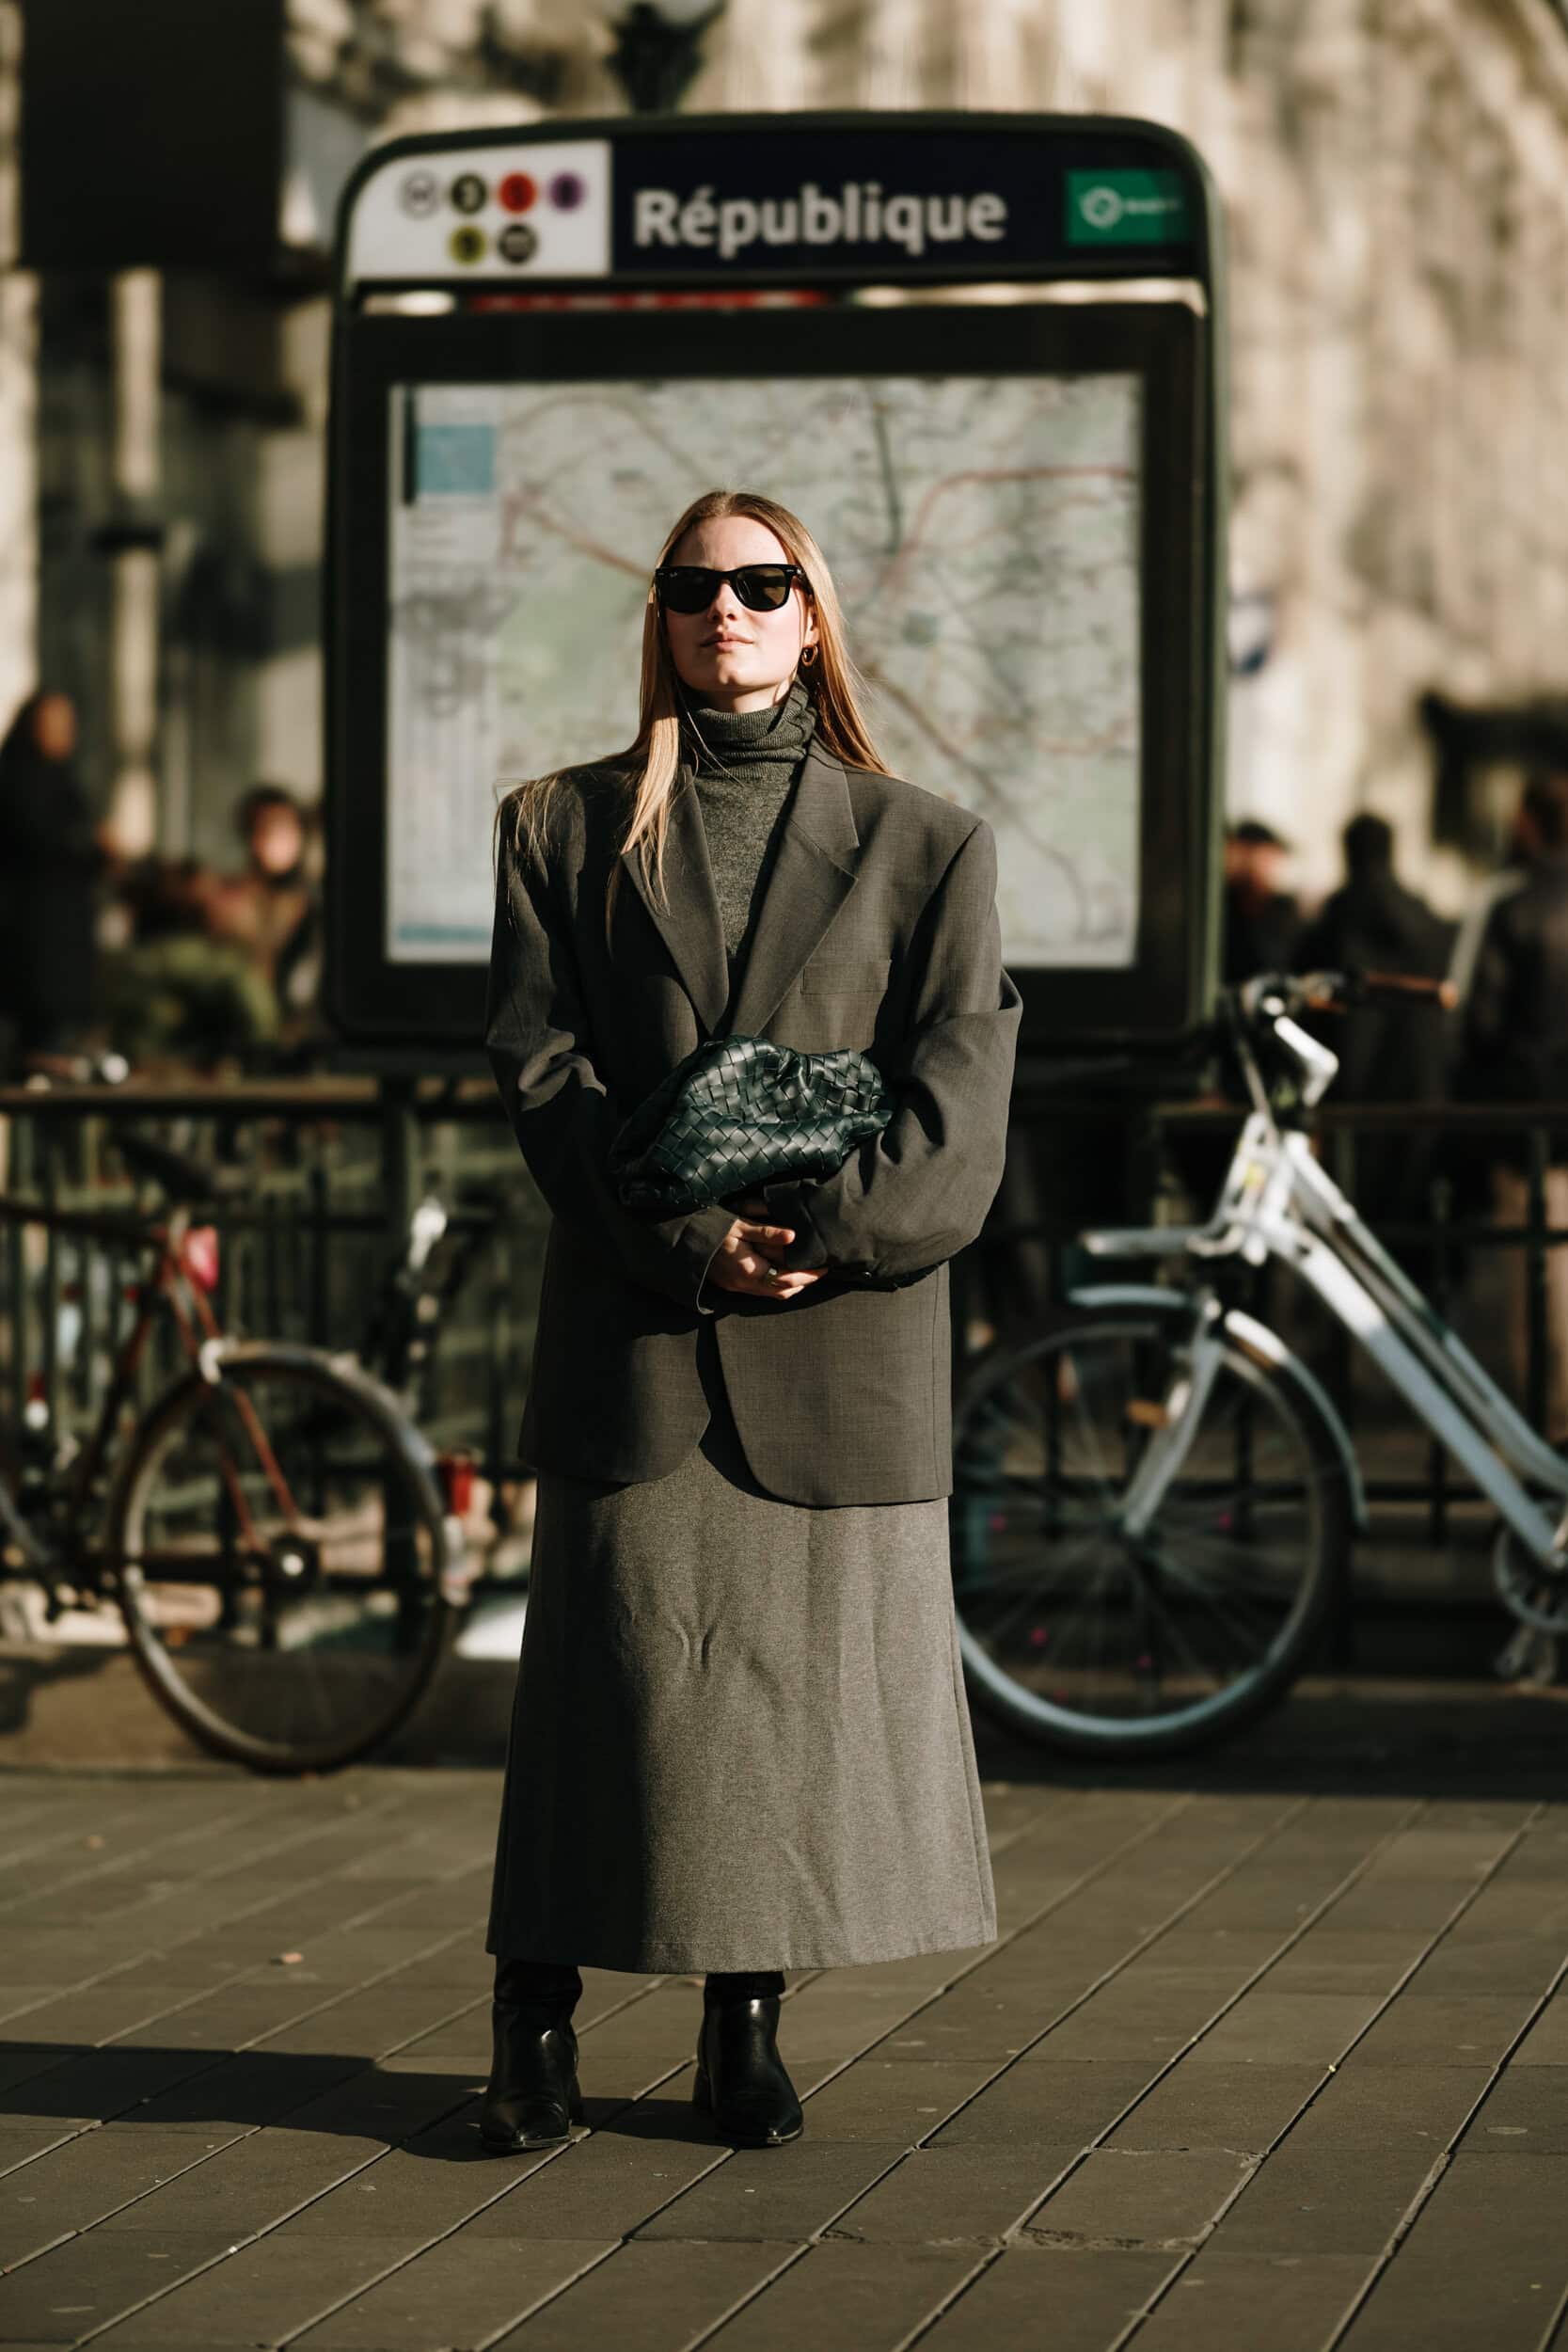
1342	992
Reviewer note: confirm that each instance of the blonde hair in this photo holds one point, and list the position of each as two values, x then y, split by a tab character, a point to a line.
652	759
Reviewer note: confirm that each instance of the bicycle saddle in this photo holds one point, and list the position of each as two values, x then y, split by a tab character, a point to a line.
181	1177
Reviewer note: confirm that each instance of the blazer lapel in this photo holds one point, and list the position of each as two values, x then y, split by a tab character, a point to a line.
690	925
814	872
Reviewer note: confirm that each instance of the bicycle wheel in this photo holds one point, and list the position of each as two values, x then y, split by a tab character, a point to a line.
1079	1634
280	1547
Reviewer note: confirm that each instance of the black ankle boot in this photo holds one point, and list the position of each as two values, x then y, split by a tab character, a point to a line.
741	2075
533	2097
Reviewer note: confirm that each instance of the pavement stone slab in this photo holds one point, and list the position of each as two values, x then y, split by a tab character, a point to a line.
905	2099
1525	2114
1546	2043
1034	2297
1436	2029
650	2297
1205	2103
1327	2199
1430	1850
842	2297
100	2084
88	2280
21	2142
1380	2107
1162	2198
1400	1906
93	2014
995	2016
1286	2303
786	2194
378	2102
1490	1964
251	2185
946	2196
1144	2012
90	2177
253	2087
1077	2099
443	2177
604	2186
21	2241
1485	2263
456	2295
1291	2028
263	2293
1345	1959
1242	1952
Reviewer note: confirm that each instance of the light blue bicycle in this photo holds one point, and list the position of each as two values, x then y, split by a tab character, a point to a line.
1155	1500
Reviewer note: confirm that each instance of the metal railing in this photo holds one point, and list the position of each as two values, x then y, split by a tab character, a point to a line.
333	1170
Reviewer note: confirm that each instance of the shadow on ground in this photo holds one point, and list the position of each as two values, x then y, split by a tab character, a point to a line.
1343	1738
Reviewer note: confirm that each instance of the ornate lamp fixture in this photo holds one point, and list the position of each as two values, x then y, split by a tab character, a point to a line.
658	51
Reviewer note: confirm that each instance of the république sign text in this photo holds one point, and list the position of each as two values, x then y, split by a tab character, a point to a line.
856	214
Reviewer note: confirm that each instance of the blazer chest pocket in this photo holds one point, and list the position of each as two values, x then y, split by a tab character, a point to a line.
853	980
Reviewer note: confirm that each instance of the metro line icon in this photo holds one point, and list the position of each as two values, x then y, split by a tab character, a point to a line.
536	209
420	194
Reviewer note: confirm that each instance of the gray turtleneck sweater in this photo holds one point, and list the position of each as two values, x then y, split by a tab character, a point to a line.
743	766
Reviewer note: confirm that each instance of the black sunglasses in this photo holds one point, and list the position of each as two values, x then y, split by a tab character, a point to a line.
761	587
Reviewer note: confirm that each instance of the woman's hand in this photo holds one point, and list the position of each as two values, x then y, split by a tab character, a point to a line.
746	1254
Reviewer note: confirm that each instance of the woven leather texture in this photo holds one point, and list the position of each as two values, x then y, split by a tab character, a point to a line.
739	1112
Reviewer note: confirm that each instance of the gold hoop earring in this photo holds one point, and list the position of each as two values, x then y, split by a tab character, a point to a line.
808	657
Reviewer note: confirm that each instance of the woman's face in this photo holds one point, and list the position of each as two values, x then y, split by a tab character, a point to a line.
276	839
732	657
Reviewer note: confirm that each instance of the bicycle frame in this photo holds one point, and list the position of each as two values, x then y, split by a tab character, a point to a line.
170	1282
1278	1201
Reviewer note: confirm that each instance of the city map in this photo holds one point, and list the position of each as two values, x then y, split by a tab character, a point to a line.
983	532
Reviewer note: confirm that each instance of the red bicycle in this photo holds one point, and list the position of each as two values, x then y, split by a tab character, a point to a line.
272	1531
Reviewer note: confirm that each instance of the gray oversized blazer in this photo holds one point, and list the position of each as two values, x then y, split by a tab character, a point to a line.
878	930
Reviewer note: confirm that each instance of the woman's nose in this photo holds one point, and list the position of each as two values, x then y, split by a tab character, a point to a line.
726	604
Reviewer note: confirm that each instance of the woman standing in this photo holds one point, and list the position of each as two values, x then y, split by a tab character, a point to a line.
739	1742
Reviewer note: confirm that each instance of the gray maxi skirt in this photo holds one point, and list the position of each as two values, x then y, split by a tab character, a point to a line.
739	1739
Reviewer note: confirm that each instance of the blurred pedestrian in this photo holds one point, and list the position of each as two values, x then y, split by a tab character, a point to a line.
1510	876
176	996
272	909
1261	923
1388	1052
48	860
1516	1049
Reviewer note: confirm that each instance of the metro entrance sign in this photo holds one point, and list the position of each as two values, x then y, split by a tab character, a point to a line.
546	341
776	198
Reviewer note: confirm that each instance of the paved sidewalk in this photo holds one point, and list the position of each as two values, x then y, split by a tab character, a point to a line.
1270	2055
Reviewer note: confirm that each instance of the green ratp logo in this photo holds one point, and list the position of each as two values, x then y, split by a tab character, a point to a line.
1125	208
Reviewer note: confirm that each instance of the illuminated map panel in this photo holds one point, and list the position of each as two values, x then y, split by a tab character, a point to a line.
984	533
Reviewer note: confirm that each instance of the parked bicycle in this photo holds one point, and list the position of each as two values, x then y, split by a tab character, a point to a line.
1155	1498
272	1531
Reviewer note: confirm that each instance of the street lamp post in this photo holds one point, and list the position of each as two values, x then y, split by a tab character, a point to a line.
658	51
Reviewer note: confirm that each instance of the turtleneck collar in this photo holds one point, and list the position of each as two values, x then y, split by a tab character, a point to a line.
716	744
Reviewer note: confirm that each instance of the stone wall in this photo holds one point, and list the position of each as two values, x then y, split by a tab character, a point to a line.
1396	176
1396	173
